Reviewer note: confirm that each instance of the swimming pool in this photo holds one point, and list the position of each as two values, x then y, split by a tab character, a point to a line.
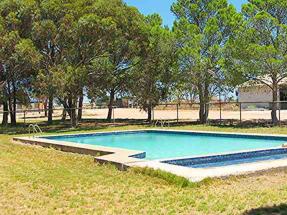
160	145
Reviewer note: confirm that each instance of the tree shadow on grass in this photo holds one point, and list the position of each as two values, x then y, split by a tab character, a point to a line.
59	126
273	210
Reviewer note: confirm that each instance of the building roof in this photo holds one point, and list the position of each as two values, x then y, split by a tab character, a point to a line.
256	83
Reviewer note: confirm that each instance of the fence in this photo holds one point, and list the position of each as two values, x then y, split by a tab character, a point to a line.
219	112
222	112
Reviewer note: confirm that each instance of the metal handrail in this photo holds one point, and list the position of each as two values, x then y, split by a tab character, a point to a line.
35	128
31	126
162	123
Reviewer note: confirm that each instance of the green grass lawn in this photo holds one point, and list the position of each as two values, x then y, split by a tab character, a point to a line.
35	180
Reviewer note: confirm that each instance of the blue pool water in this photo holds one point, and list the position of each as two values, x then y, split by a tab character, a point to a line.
231	159
240	161
163	145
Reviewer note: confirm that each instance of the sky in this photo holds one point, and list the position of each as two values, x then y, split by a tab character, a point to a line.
163	7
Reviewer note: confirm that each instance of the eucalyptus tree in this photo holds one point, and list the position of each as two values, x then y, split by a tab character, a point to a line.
155	73
202	28
70	82
53	33
19	58
46	34
89	38
258	53
124	41
72	40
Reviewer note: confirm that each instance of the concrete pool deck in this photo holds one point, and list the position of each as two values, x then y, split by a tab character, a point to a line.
124	159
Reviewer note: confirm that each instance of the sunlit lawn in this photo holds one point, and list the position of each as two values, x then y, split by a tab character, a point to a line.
36	180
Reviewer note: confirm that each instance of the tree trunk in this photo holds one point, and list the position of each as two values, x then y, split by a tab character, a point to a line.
72	110
10	106
45	107
5	113
50	110
274	105
203	104
149	113
5	107
74	121
80	110
10	103
111	104
64	115
203	112
14	115
12	111
66	107
13	105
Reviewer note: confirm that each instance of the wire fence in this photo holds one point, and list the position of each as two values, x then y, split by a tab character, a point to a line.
224	112
219	112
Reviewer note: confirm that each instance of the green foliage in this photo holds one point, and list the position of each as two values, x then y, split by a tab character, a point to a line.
202	28
63	50
258	51
156	68
69	80
21	60
123	39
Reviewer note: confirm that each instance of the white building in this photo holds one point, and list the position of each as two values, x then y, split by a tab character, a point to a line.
258	95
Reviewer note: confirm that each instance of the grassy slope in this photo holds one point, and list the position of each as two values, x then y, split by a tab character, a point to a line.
45	181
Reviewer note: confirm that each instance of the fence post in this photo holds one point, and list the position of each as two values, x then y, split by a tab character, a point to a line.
114	115
177	114
24	118
280	114
220	109
240	110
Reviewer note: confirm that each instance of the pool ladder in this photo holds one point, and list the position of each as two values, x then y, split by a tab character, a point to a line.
161	123
35	129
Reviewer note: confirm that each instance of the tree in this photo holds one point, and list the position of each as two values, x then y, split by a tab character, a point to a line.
47	34
154	75
202	28
123	46
67	41
258	53
90	37
70	82
20	61
18	57
53	32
